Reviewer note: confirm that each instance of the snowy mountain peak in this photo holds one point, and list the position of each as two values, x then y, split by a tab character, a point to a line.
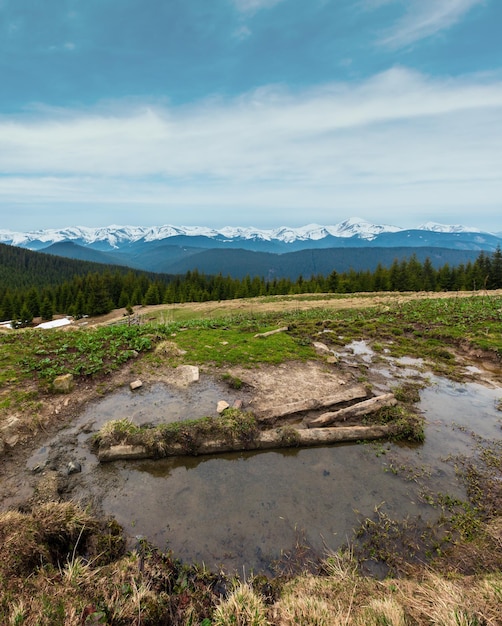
114	236
356	226
446	228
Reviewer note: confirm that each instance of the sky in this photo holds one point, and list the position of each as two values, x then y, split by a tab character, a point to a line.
262	113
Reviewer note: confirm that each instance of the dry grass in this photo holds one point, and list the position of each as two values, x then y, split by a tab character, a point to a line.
49	576
243	607
343	597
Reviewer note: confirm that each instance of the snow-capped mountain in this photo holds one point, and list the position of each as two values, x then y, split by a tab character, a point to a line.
148	247
447	228
247	250
116	236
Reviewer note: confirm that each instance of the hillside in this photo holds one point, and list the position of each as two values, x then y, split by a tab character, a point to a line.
240	263
162	257
22	269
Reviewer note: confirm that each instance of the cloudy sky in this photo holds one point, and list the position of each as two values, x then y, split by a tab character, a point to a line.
250	112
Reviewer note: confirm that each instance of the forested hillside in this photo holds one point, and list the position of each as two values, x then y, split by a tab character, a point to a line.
21	268
37	285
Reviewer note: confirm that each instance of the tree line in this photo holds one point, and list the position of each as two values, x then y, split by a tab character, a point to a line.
98	292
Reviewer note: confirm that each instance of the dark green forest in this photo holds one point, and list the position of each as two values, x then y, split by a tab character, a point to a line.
36	285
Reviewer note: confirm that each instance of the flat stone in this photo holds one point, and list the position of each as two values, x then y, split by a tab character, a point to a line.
321	348
187	374
63	384
222	406
136	384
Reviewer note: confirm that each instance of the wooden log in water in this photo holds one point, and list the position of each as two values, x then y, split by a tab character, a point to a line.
356	410
356	392
285	437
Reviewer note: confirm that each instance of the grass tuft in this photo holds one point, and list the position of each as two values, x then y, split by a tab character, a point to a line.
243	607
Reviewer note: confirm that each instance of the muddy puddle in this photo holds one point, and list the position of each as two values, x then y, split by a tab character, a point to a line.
241	511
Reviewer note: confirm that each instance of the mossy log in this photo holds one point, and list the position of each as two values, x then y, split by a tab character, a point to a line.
284	437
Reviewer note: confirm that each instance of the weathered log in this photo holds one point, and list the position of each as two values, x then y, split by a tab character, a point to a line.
272	332
356	410
122	451
275	438
346	395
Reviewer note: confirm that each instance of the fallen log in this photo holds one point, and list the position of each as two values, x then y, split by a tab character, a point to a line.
272	332
356	410
346	395
285	437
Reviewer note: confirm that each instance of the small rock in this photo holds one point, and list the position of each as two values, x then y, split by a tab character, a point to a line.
332	359
321	348
238	404
136	384
73	467
9	431
222	406
63	384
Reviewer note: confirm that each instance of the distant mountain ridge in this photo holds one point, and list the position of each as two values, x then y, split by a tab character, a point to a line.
271	253
115	237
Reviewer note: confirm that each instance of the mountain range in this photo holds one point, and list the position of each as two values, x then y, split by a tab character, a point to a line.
282	252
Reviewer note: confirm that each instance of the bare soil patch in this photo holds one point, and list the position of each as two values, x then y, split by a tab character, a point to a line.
291	382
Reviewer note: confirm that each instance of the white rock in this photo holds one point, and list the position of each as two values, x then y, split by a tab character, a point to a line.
222	406
187	374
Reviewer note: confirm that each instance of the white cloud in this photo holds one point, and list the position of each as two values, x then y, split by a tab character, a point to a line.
422	18
250	6
243	32
398	141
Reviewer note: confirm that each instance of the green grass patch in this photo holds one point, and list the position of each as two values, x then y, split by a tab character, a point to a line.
234	343
407	424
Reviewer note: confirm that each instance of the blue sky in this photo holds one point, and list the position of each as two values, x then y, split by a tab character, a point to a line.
250	112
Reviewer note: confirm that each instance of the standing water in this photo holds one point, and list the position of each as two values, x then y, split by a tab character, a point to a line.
243	510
